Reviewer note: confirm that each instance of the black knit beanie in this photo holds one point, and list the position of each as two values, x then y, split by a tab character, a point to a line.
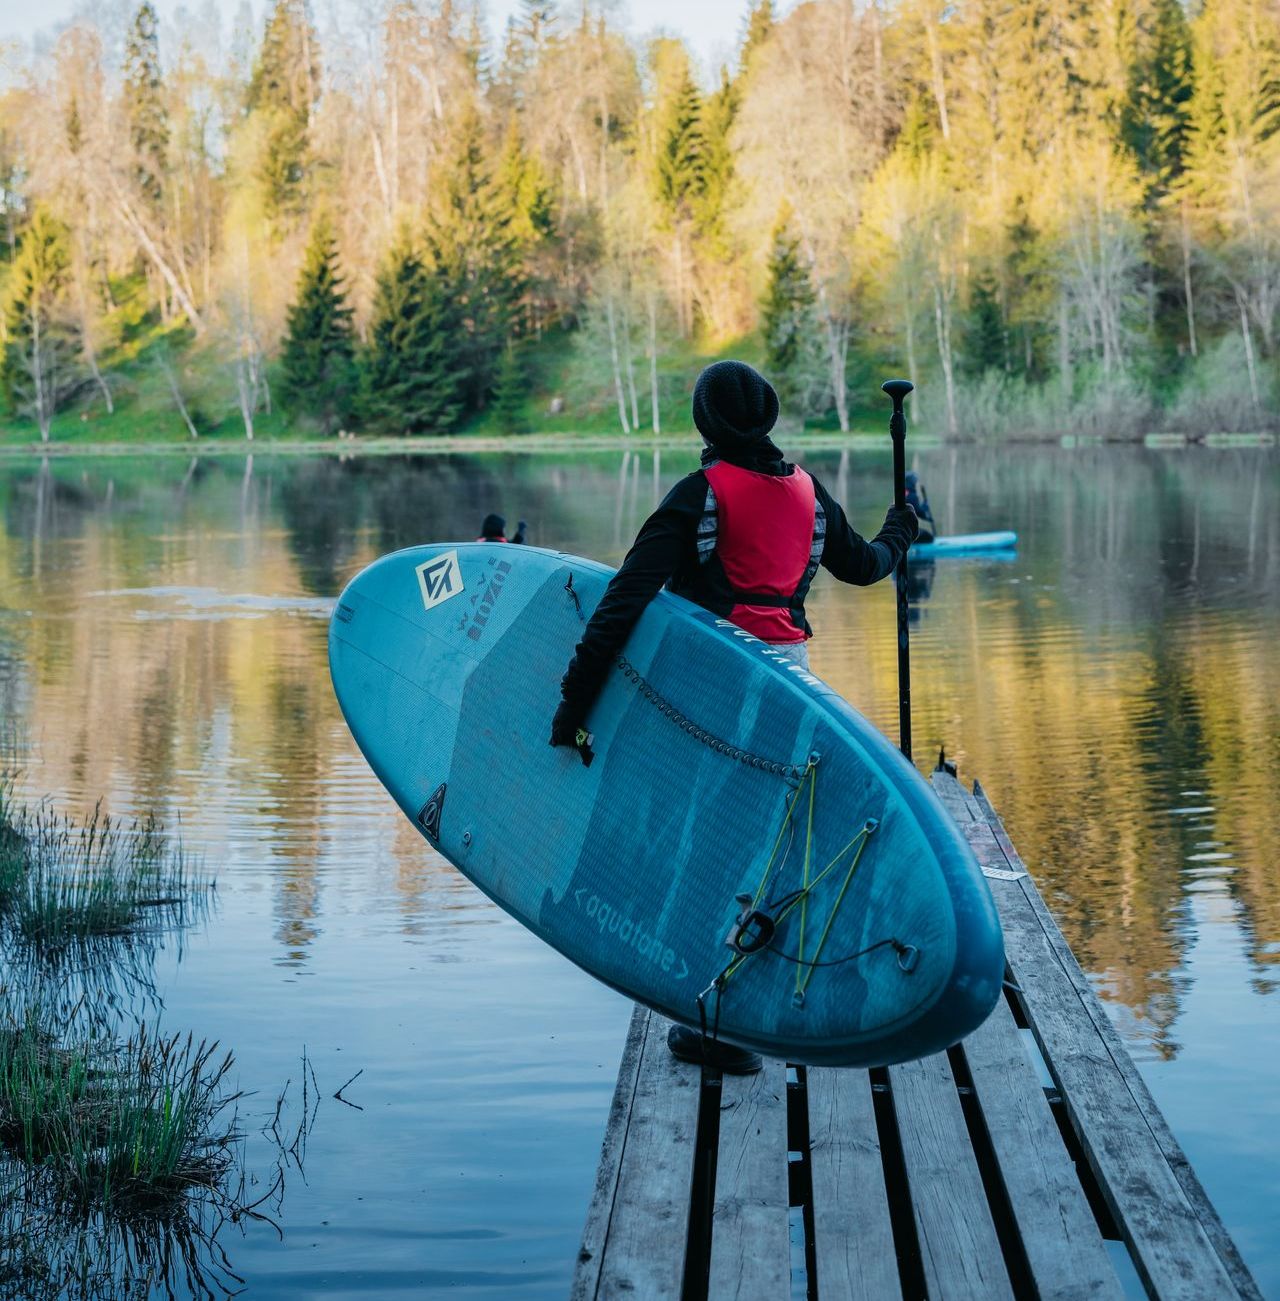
494	526
734	406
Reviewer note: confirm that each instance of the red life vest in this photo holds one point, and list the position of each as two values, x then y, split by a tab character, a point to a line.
767	532
497	539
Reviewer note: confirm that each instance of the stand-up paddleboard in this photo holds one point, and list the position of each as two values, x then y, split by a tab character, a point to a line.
958	544
744	849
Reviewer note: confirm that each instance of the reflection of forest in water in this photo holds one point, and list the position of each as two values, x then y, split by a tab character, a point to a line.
1120	670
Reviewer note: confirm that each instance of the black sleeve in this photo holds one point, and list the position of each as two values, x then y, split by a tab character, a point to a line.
850	557
668	536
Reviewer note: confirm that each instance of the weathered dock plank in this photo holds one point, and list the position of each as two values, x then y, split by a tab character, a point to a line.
1177	1243
1060	1239
646	1232
958	1242
586	1280
853	1234
750	1247
1124	1065
957	1182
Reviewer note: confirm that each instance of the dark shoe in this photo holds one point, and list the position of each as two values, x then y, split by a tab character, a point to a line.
689	1046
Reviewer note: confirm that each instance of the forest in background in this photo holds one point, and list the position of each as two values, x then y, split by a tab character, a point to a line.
1056	217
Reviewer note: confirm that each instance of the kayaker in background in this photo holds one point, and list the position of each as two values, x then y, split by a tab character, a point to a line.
494	529
918	500
743	537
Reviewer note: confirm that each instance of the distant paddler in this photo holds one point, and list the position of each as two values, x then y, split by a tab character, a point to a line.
918	500
743	537
494	529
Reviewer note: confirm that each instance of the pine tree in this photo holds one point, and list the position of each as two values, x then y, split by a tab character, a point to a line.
37	366
477	255
984	332
760	24
319	354
679	171
524	191
510	392
409	370
1030	292
525	195
283	89
1155	123
786	314
144	101
710	199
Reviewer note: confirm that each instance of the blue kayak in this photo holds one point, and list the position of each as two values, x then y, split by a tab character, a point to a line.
963	544
743	849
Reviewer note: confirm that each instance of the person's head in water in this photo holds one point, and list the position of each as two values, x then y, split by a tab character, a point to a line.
494	527
734	408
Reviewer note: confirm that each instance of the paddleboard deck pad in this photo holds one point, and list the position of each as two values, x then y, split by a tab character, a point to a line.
744	850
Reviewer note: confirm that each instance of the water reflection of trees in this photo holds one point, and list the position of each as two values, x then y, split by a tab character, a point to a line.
1125	658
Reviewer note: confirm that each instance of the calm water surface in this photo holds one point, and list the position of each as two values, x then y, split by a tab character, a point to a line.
1116	688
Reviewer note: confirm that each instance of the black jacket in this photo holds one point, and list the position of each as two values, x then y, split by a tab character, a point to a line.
665	550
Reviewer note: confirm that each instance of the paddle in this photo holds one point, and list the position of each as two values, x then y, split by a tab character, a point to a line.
898	389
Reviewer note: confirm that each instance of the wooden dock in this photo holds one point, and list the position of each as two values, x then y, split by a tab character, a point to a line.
1028	1161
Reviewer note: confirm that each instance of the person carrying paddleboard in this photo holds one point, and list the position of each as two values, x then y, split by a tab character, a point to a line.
494	529
743	537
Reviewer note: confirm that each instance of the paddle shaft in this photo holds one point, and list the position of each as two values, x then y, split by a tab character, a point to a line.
898	389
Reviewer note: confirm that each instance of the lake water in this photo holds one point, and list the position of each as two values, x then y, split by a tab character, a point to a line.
1115	687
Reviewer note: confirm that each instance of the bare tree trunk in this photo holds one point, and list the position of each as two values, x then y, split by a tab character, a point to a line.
630	368
246	392
86	341
1186	282
617	371
172	380
1064	347
380	171
683	314
149	246
939	84
837	359
44	417
942	320
653	363
1248	351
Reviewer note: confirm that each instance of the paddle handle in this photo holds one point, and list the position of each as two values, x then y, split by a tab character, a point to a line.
897	389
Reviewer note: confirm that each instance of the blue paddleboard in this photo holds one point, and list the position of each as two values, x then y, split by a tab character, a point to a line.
959	544
744	848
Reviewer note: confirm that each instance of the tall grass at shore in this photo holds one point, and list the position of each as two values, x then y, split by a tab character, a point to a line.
100	878
121	1154
131	1125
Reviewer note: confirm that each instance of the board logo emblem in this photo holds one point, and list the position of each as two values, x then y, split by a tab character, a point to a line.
440	579
429	814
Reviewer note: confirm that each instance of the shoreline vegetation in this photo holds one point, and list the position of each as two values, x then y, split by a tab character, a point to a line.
551	443
122	1144
405	222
